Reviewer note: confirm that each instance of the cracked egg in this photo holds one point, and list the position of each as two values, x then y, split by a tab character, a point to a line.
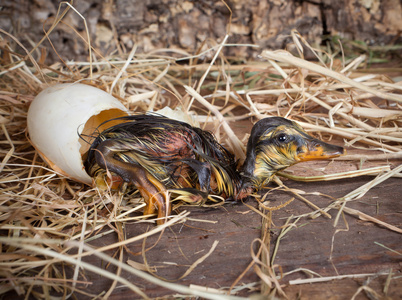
62	121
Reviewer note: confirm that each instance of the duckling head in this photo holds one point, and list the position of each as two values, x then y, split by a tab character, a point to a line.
276	143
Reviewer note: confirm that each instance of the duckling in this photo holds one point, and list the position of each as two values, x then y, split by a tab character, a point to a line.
158	155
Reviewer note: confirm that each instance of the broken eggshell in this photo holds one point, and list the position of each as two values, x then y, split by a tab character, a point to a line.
62	121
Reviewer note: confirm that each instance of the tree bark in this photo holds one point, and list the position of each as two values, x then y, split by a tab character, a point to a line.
195	25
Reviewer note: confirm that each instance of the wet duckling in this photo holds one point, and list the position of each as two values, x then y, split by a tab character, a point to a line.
158	155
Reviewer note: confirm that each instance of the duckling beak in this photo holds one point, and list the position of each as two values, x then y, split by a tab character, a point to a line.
316	149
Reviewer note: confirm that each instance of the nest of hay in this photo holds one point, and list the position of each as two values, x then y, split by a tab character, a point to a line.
48	222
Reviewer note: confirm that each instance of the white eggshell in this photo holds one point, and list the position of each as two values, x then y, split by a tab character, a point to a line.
57	117
179	115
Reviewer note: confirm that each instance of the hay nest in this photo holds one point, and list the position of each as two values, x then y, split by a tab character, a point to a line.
47	221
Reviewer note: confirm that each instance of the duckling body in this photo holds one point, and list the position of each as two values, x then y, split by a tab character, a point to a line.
157	154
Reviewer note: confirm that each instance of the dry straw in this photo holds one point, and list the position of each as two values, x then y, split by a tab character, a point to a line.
44	216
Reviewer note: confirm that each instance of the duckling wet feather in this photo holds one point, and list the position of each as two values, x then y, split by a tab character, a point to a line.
175	153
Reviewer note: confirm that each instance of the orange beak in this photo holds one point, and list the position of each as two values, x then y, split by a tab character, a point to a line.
316	150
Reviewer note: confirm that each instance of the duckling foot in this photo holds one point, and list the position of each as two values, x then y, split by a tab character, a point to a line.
155	195
153	191
190	196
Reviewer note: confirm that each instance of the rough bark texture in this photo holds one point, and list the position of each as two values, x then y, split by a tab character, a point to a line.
157	24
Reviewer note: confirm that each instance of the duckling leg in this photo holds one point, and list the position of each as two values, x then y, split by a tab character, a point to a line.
153	191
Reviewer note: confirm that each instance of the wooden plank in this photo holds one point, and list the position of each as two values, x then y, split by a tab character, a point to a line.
345	289
355	251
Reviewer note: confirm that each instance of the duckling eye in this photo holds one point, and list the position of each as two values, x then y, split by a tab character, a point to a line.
282	138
